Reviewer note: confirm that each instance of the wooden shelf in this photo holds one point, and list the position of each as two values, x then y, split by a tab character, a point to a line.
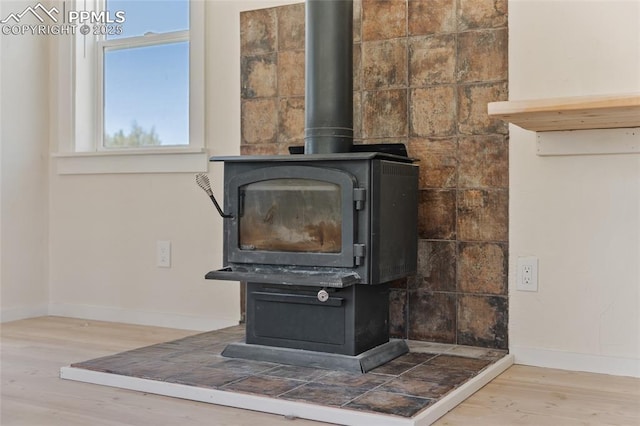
576	113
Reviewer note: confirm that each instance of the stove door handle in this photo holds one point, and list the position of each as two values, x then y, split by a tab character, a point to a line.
203	182
220	212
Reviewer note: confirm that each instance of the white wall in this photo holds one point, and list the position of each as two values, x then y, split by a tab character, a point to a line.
24	167
104	228
579	214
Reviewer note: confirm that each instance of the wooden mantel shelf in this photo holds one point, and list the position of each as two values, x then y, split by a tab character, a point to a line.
576	113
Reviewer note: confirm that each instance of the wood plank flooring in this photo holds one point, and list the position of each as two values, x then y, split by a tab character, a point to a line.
32	352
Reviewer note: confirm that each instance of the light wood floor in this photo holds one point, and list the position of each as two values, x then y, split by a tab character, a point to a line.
32	352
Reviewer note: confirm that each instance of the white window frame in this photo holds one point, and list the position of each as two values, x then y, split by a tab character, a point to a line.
77	118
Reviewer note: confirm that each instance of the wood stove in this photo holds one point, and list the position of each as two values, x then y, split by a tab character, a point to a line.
319	236
329	219
318	224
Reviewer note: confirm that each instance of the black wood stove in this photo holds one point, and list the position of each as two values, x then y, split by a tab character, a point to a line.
318	236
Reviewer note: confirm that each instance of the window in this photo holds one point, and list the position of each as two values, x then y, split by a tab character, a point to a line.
138	87
143	72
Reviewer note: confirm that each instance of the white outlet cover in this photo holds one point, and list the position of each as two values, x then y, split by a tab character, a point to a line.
522	283
163	254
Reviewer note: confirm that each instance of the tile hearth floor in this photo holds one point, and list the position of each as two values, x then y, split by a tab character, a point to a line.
402	387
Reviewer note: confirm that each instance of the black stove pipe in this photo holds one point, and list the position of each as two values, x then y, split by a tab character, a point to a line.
328	76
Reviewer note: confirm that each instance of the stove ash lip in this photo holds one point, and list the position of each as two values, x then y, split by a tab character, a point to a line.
296	276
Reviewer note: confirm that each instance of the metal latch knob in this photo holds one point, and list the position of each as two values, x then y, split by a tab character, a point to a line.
323	296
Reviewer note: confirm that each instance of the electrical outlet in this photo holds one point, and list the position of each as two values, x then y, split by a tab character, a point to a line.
163	254
527	274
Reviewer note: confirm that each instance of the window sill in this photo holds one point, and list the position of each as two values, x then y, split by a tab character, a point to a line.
147	161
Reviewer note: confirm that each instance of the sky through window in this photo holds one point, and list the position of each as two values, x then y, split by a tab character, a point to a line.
148	86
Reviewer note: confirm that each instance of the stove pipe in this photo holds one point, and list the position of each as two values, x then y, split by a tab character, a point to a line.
328	76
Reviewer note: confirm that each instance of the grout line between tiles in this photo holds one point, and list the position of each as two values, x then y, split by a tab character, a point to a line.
291	390
368	391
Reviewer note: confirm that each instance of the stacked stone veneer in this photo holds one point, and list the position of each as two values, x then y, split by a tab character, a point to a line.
424	71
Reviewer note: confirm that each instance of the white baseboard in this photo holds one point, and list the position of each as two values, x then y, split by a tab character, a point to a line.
158	319
24	312
572	361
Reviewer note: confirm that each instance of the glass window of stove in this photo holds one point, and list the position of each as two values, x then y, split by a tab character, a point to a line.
291	215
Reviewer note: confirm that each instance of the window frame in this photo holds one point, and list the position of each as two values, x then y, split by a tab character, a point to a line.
78	121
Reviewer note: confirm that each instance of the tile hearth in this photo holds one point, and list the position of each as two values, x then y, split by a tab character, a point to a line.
403	389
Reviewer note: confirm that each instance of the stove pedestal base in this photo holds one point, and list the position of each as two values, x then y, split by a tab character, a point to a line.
350	321
361	363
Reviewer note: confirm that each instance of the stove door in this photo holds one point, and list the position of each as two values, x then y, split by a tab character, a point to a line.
292	215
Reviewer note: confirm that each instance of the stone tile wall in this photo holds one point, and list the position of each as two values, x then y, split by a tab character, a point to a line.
424	71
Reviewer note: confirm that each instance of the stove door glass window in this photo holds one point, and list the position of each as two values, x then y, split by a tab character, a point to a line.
291	215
